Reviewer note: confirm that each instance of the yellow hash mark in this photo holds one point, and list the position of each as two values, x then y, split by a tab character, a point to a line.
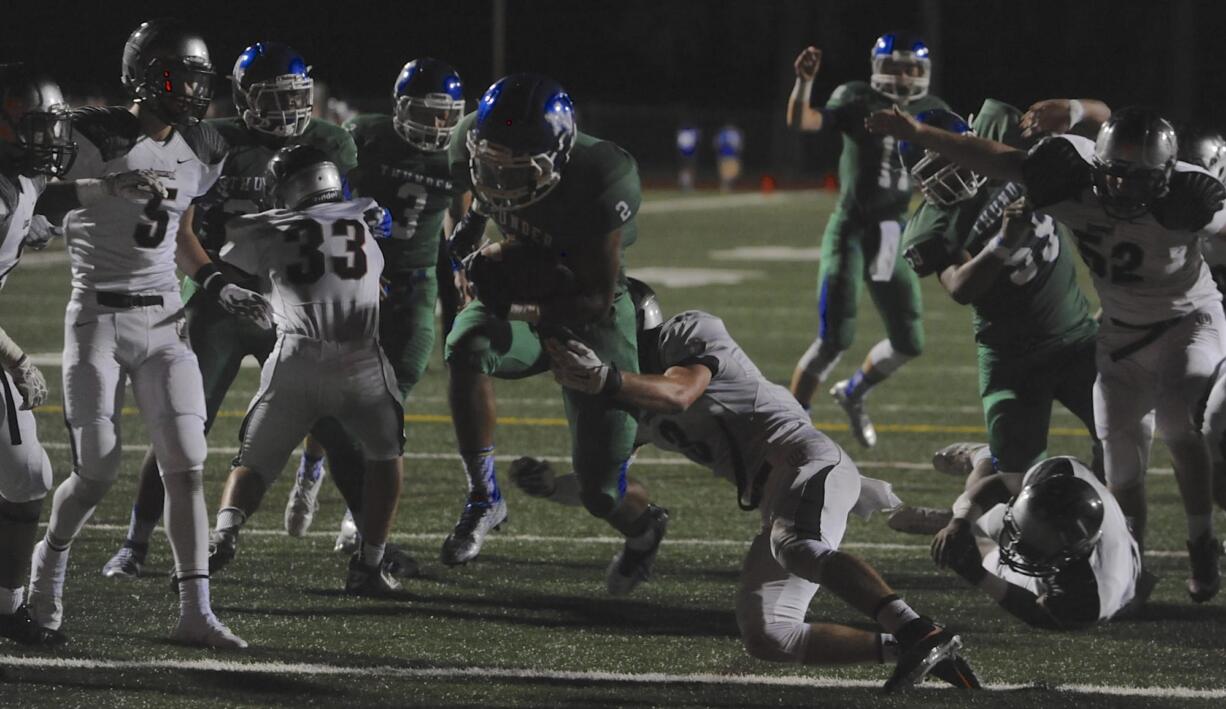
554	421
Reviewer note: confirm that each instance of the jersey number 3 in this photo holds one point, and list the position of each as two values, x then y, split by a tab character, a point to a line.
309	235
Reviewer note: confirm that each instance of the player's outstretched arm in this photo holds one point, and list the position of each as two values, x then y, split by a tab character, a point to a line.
192	259
801	114
968	281
986	157
1059	115
62	197
576	366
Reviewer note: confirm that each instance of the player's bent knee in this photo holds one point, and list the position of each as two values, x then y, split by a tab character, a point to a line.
910	346
781	641
799	553
470	349
598	502
179	444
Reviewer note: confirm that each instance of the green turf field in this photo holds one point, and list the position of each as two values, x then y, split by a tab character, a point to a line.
528	624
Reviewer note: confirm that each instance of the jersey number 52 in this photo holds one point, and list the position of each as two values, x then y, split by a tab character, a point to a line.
309	235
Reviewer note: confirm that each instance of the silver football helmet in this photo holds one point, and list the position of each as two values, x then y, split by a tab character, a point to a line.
1055	520
299	176
1134	156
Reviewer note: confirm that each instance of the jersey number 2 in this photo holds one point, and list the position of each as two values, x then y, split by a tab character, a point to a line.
151	226
1125	257
309	235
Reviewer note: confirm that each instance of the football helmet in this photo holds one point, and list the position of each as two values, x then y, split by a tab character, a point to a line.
942	182
1204	147
166	67
520	141
428	102
299	176
901	68
272	90
1134	156
35	125
1055	520
647	313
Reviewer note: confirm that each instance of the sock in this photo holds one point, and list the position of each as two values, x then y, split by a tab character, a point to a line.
1199	525
187	526
482	483
140	530
230	518
893	613
310	468
818	363
10	599
194	596
882	361
372	554
52	559
887	648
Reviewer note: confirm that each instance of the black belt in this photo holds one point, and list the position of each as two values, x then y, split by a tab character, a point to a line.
125	300
1152	331
744	486
10	413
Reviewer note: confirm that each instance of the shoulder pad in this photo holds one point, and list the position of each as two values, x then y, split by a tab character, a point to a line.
206	142
113	130
1194	197
1055	171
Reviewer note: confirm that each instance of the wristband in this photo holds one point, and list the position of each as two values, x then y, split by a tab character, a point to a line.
1076	111
210	279
613	382
997	248
962	506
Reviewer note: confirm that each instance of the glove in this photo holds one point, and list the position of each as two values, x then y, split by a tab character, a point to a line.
134	184
576	366
41	233
534	477
30	383
467	233
955	547
379	220
489	280
246	304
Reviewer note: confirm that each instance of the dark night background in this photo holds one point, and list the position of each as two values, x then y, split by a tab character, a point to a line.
636	68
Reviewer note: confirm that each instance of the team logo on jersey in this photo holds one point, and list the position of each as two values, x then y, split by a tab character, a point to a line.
512	225
415	177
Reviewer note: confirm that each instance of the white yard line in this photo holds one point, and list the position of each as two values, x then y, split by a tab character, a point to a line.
514	674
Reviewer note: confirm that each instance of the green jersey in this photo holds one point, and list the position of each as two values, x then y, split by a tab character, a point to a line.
599	193
414	184
872	182
1036	303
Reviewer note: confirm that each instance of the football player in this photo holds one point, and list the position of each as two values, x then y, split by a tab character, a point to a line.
729	143
125	316
324	265
1033	326
698	393
862	239
1137	214
403	165
272	92
565	203
1065	558
36	144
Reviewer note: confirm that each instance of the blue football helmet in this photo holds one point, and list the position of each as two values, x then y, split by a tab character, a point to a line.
942	182
1134	156
272	90
428	102
520	141
901	68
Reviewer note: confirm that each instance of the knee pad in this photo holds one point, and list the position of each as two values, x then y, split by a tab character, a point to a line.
179	443
20	513
909	344
888	356
779	641
96	451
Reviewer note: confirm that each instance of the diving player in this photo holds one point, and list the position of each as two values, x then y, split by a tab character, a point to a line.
863	237
699	394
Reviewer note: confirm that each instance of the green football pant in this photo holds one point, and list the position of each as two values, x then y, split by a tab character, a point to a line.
602	435
406	325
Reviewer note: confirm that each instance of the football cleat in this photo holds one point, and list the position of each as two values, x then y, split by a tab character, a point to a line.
1206	578
302	504
922	657
630	567
206	631
347	539
20	627
223	546
857	417
398	562
476	521
366	580
957	459
47	573
957	672
127	562
919	520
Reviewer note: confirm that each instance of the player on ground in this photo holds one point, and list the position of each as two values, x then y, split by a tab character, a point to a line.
564	202
272	92
1033	327
699	394
403	165
1065	558
125	316
1137	214
324	266
862	238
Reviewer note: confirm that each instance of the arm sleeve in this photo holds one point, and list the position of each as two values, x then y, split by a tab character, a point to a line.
695	337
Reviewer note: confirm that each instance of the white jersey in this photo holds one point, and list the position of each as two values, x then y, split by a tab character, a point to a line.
128	245
1144	272
18	195
324	265
1115	563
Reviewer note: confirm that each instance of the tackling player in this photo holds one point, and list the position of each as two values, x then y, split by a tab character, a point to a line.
272	92
565	203
1138	215
125	316
324	266
1065	558
699	394
862	239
